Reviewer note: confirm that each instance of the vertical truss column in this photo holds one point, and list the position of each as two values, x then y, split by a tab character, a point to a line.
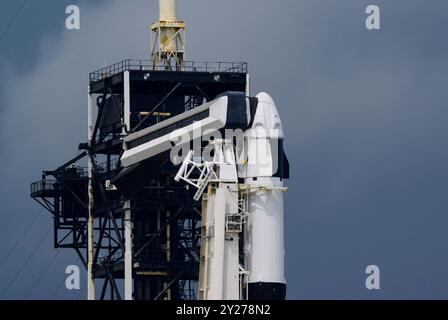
168	250
128	250
168	46
127	203
90	226
127	103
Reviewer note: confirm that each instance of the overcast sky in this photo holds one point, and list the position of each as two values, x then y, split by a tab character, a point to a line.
365	116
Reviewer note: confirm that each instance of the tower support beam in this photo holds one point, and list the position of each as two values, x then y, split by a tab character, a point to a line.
128	250
127	203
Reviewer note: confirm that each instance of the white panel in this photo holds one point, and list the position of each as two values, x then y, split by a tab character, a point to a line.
261	140
220	103
218	108
232	198
260	158
231	289
216	209
162	144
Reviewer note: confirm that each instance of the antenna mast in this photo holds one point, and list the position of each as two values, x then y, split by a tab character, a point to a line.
168	34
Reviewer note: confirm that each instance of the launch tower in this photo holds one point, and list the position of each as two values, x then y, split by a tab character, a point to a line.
136	230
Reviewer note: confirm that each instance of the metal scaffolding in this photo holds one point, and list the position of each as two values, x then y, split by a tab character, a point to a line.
149	232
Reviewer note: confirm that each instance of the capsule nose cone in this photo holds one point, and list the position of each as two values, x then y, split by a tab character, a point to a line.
267	122
264	97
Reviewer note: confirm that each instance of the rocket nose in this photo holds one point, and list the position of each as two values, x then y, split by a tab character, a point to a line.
264	97
267	118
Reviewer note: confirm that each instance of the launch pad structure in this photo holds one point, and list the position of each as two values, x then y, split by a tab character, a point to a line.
119	205
165	219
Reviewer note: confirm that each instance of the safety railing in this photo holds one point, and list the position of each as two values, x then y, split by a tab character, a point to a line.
43	185
149	65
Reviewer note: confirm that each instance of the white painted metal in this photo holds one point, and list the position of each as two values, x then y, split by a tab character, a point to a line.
168	251
168	122
262	139
183	170
259	202
222	247
167	10
220	269
231	284
168	45
168	238
128	251
128	228
89	115
127	100
90	233
225	159
204	182
205	171
204	251
216	120
216	210
110	186
231	288
265	243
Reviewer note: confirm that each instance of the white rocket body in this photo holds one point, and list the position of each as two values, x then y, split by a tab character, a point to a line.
229	208
266	258
265	236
